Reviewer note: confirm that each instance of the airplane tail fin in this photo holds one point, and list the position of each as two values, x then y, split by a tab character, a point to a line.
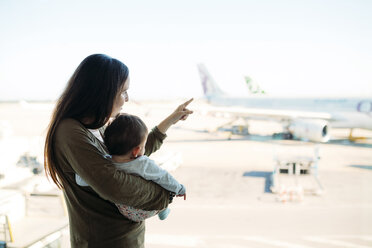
253	87
210	87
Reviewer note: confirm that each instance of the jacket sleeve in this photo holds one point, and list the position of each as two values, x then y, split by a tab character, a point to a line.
154	141
149	170
79	150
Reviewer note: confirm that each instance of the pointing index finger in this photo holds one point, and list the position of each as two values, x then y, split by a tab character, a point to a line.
187	102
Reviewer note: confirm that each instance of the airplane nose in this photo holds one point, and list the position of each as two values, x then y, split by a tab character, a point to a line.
364	107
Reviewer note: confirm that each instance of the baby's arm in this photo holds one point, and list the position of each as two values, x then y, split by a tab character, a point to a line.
149	170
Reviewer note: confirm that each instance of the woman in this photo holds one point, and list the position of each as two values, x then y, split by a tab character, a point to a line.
96	91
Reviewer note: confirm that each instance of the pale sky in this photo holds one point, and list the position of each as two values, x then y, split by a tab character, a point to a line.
295	48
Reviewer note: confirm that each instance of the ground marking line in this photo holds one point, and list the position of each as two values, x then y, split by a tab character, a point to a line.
334	242
200	240
275	242
174	240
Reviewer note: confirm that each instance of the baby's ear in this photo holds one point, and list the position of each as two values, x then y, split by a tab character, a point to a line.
135	151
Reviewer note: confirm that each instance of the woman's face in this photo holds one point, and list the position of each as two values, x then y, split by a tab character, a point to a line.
120	99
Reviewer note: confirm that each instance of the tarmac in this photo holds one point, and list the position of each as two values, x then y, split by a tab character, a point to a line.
229	203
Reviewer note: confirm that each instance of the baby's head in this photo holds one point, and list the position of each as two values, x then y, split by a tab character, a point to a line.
126	134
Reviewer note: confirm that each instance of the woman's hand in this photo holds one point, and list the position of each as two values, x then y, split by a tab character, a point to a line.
181	113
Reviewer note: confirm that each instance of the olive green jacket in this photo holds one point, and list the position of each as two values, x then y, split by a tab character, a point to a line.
94	219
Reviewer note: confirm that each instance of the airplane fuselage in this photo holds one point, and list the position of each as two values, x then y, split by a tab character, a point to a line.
309	104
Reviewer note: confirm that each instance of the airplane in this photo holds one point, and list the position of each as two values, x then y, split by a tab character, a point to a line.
307	118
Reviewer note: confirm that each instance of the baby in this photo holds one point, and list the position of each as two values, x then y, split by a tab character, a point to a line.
125	138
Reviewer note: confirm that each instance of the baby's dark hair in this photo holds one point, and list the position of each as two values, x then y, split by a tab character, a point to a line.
124	133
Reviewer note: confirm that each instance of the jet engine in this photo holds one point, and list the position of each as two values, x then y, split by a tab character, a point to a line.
313	130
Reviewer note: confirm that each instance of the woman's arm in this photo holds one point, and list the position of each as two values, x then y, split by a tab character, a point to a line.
75	148
146	168
154	141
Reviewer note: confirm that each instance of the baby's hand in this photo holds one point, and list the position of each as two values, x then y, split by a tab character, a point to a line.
184	196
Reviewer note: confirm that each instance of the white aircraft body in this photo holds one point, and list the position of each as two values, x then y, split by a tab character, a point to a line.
305	118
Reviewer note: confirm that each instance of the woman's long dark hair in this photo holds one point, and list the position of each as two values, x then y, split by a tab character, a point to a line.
89	98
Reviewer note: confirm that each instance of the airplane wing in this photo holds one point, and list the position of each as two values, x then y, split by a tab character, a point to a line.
312	126
258	113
